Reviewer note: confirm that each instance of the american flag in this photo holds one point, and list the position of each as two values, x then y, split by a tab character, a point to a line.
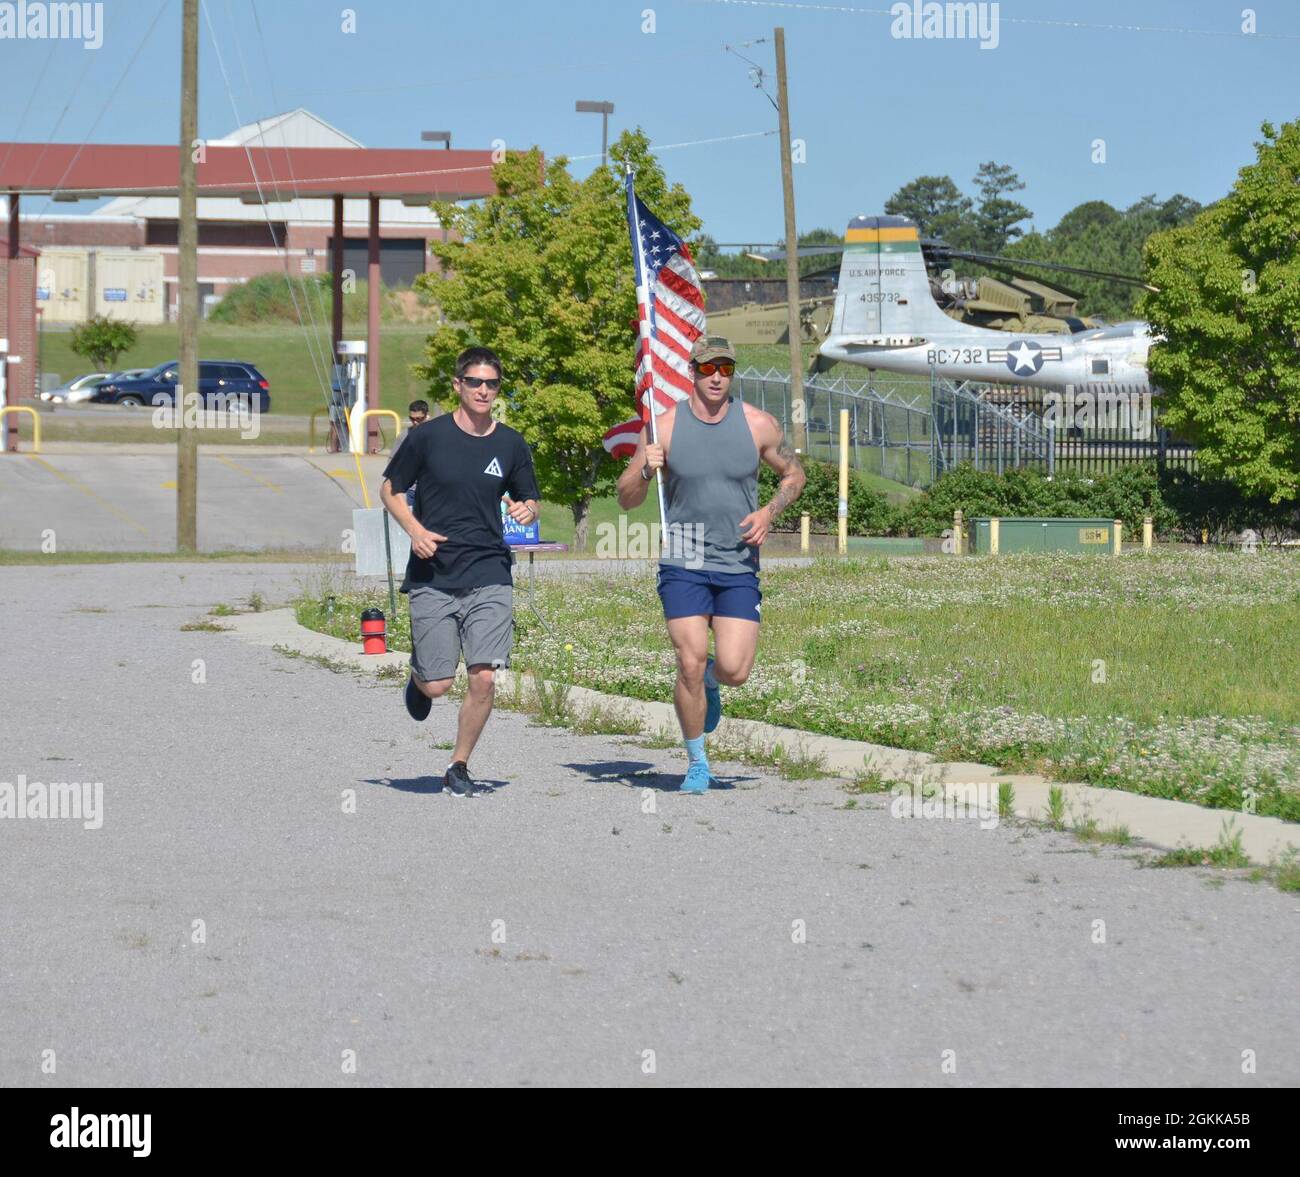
670	306
620	442
670	312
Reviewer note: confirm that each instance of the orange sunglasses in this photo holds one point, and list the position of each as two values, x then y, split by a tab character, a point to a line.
726	368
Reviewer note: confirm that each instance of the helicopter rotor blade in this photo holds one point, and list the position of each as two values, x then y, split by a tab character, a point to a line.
1011	262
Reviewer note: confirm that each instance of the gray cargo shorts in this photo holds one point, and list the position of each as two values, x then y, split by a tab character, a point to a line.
446	623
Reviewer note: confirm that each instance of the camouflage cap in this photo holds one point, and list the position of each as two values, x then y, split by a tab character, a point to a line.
712	347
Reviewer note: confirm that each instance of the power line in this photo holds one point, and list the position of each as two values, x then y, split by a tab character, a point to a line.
1018	20
103	110
31	97
513	75
239	185
284	256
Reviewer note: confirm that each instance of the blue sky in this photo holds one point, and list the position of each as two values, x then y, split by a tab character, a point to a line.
1179	111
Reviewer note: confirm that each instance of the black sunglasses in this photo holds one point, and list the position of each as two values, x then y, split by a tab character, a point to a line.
493	382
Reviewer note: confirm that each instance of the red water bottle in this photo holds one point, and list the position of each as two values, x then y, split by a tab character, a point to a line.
374	632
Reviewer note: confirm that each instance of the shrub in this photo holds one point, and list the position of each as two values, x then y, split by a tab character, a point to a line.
1180	504
267	298
102	341
870	512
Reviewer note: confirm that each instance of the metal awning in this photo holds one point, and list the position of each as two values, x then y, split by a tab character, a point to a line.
71	171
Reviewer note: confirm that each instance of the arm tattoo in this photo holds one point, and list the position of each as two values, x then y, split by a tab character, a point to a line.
791	476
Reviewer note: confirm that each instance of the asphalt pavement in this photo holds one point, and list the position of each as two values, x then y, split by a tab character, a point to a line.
280	894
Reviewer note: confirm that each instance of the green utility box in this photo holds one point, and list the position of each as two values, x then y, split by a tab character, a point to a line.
1098	536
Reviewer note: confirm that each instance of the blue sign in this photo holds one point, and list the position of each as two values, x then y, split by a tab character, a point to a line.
42	294
518	533
114	294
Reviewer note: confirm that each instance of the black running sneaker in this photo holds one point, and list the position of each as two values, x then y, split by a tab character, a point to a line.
418	704
458	782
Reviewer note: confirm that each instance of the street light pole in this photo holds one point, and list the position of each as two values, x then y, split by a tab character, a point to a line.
604	109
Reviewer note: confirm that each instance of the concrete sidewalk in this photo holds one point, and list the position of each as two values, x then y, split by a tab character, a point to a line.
1156	820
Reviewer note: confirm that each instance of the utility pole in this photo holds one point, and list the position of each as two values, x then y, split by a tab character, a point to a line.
187	442
798	411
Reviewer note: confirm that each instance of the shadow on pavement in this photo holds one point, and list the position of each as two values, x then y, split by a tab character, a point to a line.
428	784
640	774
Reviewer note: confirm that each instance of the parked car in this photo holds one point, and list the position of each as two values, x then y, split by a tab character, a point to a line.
75	391
236	380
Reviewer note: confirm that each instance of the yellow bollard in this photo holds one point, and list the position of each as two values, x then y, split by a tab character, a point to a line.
1119	530
844	482
36	423
994	527
1148	533
957	532
805	528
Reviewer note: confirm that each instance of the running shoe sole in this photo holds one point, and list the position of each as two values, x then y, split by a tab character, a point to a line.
418	704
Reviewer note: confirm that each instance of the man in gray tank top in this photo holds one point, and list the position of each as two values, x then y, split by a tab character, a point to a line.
709	449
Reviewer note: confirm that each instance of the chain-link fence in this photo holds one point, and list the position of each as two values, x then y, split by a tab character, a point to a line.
909	430
889	428
969	429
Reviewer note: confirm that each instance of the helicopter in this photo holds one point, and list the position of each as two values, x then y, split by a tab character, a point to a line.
754	323
887	318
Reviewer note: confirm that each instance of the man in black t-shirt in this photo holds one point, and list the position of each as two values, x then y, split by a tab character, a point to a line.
461	588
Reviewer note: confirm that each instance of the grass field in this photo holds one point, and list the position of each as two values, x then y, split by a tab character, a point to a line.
1172	675
283	354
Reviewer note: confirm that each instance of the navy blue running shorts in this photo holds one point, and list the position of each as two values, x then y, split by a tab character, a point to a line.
693	592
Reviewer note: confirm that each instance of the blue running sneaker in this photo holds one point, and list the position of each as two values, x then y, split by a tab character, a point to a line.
713	699
697	778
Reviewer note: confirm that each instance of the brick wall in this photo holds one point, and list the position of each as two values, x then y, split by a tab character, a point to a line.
22	330
103	234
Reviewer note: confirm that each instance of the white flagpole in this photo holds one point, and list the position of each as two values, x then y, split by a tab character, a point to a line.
646	328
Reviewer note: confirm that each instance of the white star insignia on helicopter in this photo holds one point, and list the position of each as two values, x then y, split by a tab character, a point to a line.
1026	357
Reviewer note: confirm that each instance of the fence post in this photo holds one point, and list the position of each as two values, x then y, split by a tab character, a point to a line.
958	535
994	533
1147	536
907	418
1119	530
804	529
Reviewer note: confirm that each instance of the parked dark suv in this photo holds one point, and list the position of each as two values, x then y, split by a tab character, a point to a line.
236	380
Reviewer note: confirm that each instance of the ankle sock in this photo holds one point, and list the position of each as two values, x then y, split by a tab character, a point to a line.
695	750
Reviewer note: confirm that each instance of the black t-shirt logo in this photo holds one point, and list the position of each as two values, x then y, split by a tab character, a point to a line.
494	468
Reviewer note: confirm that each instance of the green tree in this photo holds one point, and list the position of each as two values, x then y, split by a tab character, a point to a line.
101	340
1096	236
541	272
996	217
936	204
1228	311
